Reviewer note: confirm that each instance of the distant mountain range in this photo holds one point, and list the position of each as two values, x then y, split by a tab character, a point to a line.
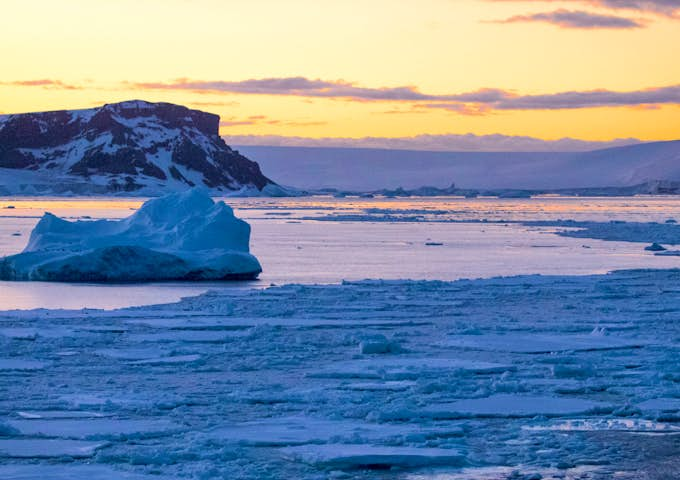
650	167
133	147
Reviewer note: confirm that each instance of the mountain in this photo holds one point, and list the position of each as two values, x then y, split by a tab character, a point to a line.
360	169
134	147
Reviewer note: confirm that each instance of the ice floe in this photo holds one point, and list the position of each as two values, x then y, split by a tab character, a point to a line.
21	364
47	448
93	428
512	406
531	342
346	456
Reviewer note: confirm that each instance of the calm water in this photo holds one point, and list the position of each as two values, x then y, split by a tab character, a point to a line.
293	248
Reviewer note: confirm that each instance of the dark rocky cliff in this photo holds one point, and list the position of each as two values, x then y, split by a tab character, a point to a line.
127	146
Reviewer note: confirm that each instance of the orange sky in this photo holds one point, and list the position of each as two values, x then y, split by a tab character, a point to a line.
355	68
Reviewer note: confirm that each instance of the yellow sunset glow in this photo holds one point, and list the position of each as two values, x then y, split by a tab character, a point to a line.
102	50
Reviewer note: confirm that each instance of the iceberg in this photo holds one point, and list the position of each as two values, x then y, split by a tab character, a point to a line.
181	236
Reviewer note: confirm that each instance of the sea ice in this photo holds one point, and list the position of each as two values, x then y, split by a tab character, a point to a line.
182	236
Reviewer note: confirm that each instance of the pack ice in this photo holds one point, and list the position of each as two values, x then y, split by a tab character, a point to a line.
181	236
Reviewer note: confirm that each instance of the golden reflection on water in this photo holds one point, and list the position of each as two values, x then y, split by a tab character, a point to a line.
642	208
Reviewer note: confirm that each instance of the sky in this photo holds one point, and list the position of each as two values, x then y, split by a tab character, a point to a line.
426	73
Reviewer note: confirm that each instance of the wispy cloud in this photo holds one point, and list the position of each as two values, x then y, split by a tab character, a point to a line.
591	99
477	102
669	8
295	86
449	142
43	83
577	19
582	19
265	120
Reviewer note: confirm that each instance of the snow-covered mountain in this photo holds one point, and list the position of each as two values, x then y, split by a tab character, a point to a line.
361	169
134	147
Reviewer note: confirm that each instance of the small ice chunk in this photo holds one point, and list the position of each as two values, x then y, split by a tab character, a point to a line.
351	456
48	448
378	344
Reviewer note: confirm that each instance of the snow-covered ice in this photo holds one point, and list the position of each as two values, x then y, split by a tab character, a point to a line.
182	236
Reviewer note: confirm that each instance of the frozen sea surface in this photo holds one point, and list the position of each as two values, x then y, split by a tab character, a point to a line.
327	240
578	380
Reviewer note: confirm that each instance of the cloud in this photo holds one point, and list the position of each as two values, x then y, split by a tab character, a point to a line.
43	83
450	142
592	99
668	8
478	102
294	86
577	19
484	101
